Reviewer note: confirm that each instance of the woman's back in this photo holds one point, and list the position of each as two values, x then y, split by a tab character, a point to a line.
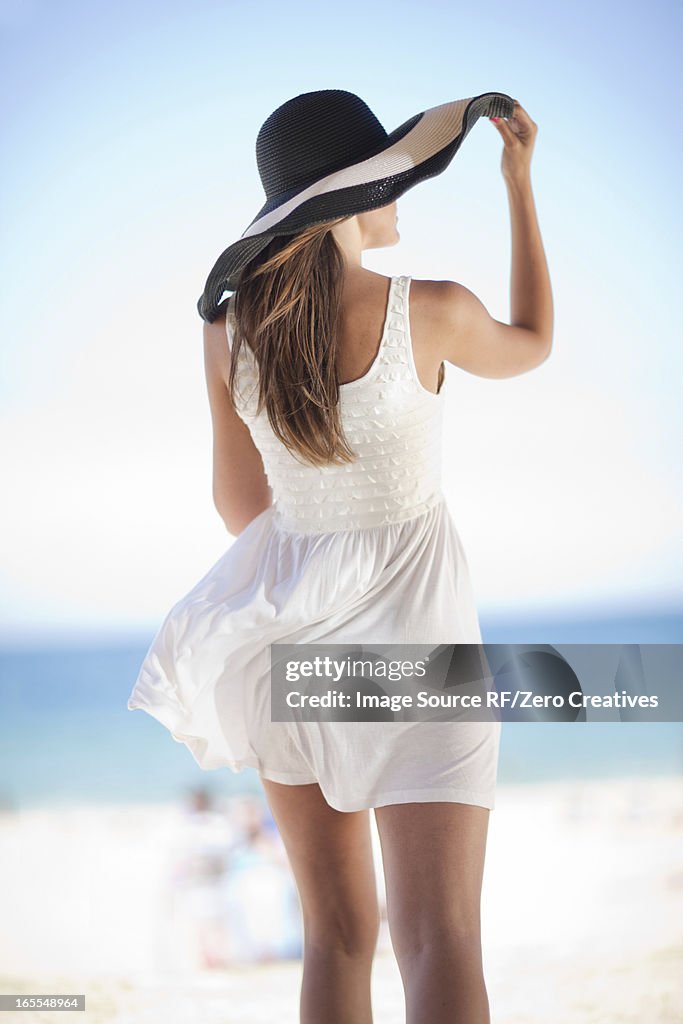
392	421
363	310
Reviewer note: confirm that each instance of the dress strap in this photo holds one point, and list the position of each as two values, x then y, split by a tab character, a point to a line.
395	362
408	351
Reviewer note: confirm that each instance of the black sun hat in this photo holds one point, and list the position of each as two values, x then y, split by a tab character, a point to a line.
324	155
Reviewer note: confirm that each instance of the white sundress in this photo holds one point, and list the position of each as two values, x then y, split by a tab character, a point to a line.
359	553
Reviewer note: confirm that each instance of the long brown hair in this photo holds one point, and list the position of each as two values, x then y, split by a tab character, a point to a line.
288	305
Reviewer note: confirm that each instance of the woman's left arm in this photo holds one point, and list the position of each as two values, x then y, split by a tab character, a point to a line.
240	486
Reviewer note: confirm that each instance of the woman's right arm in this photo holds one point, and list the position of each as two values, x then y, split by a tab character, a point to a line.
469	336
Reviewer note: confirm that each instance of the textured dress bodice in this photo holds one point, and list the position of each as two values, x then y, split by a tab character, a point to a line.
390	420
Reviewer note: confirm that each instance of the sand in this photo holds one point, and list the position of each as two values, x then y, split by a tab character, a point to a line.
582	913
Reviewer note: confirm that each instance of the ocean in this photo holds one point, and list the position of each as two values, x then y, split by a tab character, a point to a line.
66	735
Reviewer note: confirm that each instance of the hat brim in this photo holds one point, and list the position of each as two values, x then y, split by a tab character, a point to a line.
420	148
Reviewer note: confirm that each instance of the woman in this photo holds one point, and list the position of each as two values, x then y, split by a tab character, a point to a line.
325	383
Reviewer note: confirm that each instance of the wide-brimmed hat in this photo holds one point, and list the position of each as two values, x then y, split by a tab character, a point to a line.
324	155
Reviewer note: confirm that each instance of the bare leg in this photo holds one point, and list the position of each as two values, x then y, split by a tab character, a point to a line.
331	857
433	855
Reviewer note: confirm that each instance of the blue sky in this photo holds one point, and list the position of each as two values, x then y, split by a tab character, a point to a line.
129	165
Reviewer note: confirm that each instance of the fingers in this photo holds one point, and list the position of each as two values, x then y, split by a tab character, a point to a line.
520	114
519	124
504	128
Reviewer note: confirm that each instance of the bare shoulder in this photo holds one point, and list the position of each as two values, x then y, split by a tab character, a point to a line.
216	344
462	331
433	304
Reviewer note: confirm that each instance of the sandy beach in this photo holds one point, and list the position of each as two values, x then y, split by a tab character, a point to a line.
582	913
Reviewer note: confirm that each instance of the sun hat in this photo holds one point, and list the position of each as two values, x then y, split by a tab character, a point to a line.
324	155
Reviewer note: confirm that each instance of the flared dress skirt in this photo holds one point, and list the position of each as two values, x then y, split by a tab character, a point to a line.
206	676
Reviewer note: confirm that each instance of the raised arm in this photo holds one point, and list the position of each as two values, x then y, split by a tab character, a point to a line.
468	335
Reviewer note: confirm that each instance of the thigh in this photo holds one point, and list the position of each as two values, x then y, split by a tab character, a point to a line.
330	853
433	856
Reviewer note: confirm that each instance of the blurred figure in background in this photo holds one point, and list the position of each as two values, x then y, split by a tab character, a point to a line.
231	897
260	897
